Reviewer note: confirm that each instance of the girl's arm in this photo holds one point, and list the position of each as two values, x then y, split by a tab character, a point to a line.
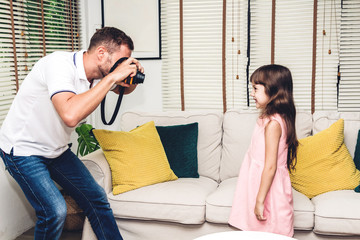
272	138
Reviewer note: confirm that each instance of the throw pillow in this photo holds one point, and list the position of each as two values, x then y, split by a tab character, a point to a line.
180	144
357	158
136	158
357	152
324	163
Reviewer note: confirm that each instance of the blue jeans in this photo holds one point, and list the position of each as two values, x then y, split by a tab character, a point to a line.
35	175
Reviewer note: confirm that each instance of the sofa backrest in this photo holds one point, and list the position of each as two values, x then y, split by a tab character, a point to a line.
323	120
238	127
209	135
227	136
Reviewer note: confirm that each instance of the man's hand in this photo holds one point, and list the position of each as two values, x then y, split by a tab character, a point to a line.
129	67
128	88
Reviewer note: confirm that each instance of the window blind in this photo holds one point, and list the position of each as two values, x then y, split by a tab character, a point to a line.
30	29
327	55
8	86
349	89
202	28
293	47
260	37
170	53
202	54
236	53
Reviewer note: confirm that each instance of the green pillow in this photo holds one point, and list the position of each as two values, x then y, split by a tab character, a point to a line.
357	152
180	144
357	158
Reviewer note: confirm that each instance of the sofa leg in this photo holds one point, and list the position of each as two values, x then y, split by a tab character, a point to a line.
88	233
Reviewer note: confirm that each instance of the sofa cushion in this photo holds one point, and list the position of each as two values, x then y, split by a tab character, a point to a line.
324	119
180	144
136	158
209	135
337	213
238	128
303	212
218	206
357	152
180	201
324	163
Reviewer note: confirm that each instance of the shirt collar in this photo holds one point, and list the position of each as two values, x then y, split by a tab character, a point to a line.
79	64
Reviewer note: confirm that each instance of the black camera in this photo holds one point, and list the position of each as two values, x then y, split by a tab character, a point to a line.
138	78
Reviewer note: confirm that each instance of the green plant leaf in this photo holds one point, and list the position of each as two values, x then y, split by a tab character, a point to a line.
87	143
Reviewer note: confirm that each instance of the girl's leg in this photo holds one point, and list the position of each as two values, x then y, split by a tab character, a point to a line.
71	174
32	175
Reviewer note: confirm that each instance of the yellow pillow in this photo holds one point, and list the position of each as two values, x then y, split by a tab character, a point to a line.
136	158
324	163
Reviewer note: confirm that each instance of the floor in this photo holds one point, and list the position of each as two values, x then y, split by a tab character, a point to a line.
66	235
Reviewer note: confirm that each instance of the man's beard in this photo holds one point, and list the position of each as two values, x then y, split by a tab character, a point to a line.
104	69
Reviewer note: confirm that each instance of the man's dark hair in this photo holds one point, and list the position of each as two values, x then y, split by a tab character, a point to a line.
111	38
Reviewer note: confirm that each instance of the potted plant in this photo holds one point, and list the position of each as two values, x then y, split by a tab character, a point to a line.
87	142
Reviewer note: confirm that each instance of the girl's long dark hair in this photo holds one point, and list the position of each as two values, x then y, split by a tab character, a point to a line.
278	84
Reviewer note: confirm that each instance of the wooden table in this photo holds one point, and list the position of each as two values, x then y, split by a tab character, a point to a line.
244	235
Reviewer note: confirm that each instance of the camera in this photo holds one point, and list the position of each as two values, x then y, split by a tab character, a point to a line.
138	78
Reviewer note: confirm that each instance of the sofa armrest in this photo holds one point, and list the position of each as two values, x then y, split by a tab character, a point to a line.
99	168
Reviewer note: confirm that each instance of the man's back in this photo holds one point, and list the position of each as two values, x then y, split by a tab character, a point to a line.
32	126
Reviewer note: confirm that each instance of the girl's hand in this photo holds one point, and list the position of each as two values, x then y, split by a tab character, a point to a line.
259	211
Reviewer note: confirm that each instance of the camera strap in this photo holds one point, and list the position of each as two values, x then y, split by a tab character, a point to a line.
116	111
117	107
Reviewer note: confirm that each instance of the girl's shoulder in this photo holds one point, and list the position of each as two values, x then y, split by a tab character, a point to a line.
275	117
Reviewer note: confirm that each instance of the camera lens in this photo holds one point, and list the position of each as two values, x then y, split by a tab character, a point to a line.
139	77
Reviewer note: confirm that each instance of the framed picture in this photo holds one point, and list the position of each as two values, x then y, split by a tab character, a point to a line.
140	20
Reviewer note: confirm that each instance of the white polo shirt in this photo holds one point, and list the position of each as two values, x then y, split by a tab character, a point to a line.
32	126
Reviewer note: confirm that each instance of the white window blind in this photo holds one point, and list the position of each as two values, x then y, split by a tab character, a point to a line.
327	54
294	46
202	54
236	53
260	37
349	90
170	53
8	84
40	27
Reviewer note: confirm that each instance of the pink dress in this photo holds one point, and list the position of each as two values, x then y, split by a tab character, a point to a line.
279	202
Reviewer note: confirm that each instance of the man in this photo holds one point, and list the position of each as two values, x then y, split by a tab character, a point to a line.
56	95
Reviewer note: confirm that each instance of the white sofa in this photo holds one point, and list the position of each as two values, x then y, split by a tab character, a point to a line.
191	207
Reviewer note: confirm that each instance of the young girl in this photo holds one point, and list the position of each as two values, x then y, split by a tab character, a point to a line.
263	197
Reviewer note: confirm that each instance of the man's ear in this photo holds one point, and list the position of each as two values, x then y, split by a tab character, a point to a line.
101	53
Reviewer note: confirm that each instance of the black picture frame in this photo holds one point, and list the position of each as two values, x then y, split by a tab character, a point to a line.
150	51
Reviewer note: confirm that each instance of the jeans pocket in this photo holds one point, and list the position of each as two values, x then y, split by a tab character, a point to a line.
5	157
